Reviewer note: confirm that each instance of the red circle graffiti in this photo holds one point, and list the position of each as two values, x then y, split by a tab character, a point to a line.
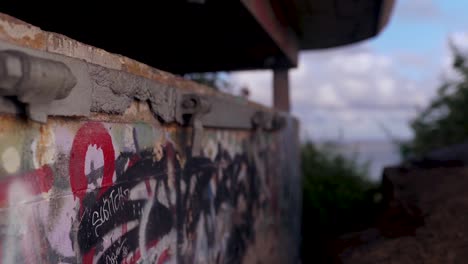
88	135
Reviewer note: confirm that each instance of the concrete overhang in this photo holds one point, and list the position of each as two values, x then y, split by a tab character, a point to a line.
183	36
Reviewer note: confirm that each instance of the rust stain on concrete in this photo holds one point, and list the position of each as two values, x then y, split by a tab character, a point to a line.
137	112
44	144
18	32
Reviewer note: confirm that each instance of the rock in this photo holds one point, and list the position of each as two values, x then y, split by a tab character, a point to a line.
425	220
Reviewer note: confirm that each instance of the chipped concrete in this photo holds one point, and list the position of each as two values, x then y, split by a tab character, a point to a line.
108	83
102	90
21	33
60	44
114	91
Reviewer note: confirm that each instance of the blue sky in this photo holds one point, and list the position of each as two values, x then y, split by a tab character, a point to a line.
364	91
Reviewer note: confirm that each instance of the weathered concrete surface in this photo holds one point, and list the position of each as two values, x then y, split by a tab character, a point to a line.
97	191
108	83
23	34
114	91
122	187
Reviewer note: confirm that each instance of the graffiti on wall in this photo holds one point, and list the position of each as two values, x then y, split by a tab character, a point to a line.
97	192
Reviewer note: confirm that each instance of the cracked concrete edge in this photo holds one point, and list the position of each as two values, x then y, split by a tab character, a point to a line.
114	91
157	87
20	33
101	90
110	91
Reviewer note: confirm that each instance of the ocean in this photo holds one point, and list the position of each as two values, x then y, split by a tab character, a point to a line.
379	154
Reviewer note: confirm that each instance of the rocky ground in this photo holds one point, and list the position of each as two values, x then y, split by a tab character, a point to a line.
425	220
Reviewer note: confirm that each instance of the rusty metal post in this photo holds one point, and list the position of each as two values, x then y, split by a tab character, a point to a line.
281	89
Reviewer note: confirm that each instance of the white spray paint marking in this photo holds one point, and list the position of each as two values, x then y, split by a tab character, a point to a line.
211	149
170	181
202	250
11	160
46	147
63	139
183	187
114	235
142	230
162	196
94	158
58	230
17	223
128	143
139	192
168	242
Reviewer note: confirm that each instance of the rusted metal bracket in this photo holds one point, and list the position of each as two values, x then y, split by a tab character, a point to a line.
41	84
34	81
190	111
268	121
264	121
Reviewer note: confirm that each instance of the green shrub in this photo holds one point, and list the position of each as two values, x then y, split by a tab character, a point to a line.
444	121
338	198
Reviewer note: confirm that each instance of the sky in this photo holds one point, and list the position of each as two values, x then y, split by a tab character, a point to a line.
371	90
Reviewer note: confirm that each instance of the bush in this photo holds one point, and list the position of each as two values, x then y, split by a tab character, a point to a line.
443	122
338	198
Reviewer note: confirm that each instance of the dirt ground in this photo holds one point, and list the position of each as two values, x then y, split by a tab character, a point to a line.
425	220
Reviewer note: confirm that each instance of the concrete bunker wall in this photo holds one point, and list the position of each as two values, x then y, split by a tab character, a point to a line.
126	186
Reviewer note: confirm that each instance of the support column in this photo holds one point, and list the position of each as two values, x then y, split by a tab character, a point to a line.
281	90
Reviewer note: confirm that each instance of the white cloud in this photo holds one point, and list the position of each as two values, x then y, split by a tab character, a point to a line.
327	95
358	63
350	91
386	86
460	41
